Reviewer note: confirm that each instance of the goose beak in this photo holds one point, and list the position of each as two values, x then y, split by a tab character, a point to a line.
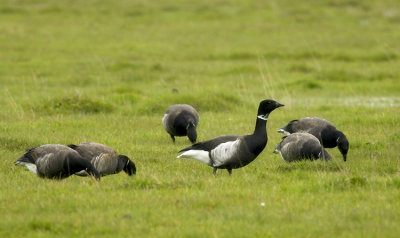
279	104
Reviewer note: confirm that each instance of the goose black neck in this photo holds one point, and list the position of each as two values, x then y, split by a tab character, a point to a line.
330	137
257	141
339	136
261	127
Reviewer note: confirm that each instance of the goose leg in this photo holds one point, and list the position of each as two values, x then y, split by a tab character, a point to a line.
173	138
214	171
325	155
229	171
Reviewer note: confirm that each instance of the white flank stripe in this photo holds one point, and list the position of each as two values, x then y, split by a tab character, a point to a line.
224	152
82	173
286	149
200	155
97	161
44	161
163	120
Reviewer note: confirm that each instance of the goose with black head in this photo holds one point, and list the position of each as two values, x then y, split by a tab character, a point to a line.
324	130
56	162
181	120
104	159
231	151
299	146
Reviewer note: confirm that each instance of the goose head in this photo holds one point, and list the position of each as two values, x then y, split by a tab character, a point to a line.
343	145
266	107
191	132
128	165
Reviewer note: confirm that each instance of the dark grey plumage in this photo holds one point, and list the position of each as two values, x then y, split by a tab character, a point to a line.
104	159
300	146
324	130
232	152
55	162
181	120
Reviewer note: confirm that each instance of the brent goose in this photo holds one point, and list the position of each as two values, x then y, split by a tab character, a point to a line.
301	145
232	152
104	159
55	162
181	120
324	130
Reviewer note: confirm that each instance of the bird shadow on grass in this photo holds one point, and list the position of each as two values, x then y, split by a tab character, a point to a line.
309	166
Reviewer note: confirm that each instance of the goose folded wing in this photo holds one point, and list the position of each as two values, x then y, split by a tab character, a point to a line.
210	144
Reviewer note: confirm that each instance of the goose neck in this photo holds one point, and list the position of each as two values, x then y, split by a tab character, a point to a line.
260	128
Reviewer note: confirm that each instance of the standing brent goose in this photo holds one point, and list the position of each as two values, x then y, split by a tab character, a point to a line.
324	130
233	152
181	120
299	146
104	159
55	162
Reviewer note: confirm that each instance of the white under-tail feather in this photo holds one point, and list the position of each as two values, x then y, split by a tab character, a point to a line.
31	167
164	120
200	155
283	131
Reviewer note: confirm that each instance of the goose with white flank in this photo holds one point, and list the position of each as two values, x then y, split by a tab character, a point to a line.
56	162
181	120
300	146
324	130
233	152
104	159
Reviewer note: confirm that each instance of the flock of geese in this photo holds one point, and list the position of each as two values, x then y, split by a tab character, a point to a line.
304	138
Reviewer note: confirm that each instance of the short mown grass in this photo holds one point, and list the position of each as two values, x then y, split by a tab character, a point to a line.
106	71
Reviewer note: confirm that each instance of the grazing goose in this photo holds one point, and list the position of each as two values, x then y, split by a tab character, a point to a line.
104	159
232	152
181	120
55	162
324	130
299	146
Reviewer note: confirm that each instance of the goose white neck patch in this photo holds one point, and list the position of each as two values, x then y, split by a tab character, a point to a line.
263	117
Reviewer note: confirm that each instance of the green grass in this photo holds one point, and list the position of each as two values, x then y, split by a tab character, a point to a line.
105	71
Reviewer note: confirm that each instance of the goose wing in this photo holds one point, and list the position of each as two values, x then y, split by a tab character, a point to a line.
54	161
91	150
313	124
210	144
102	157
105	163
226	153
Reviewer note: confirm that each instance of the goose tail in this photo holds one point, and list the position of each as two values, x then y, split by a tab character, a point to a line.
200	155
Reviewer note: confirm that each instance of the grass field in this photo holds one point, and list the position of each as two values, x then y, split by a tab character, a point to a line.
105	71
